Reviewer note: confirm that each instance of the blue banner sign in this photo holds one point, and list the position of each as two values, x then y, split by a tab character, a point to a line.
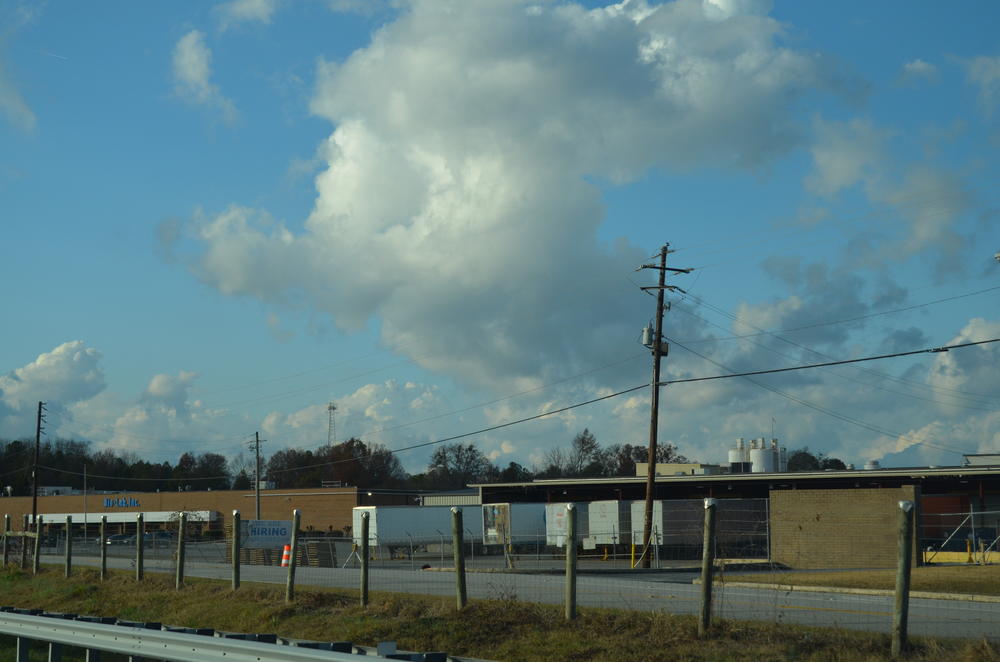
121	502
265	533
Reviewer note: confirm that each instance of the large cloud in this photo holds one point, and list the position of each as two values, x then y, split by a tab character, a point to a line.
459	205
69	374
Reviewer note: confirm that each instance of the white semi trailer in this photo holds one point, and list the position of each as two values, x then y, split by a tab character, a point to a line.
513	523
418	525
556	518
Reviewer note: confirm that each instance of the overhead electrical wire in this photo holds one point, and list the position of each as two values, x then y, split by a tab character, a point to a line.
745	375
852	379
849	319
847	419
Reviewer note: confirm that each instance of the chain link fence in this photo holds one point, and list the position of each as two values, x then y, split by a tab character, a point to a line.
608	566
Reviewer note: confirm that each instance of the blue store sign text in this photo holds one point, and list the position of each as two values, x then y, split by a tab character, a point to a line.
121	502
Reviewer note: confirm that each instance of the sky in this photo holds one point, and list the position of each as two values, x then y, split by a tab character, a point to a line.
216	219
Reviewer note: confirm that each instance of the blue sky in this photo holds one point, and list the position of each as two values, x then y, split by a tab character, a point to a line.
217	218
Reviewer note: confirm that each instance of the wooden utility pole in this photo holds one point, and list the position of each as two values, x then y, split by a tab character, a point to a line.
658	347
34	468
256	481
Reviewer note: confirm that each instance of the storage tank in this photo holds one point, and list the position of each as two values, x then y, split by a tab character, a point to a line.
762	460
556	522
871	465
739	453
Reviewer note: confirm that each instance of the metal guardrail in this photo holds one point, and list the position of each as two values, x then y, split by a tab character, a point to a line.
149	641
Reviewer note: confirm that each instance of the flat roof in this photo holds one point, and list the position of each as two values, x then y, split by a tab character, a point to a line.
904	472
129	516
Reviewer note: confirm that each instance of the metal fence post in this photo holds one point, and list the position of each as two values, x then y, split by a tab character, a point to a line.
459	554
69	546
290	582
179	575
570	561
140	531
901	607
364	559
38	546
6	539
24	543
707	559
104	547
236	550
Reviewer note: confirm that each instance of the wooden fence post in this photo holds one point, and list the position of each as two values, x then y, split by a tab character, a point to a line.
179	575
707	560
461	597
364	559
570	561
38	546
69	547
290	582
140	532
104	547
24	543
236	550
6	539
900	610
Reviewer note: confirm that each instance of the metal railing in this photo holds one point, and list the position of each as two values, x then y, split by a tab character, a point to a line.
151	641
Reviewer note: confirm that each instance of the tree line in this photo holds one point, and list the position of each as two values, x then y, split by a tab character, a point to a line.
72	463
349	463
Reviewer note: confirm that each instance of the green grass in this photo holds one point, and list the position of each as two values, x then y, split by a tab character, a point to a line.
969	579
497	630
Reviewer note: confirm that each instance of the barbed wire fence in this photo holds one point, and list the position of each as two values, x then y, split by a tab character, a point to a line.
493	562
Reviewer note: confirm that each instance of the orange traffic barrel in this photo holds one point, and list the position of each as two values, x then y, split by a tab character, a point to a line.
286	555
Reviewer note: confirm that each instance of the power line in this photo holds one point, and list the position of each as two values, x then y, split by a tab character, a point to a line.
959	395
849	319
847	419
929	350
745	375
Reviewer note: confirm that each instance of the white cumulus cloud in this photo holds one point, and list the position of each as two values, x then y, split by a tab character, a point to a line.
458	204
192	67
246	11
984	72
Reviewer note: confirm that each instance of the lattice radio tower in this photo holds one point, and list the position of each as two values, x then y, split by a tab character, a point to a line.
331	429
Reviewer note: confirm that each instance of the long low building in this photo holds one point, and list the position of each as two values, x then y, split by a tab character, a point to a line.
323	510
814	519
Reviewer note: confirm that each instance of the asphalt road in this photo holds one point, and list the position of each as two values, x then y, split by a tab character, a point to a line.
663	591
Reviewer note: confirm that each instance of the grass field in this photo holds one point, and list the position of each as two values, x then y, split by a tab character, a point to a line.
493	630
968	579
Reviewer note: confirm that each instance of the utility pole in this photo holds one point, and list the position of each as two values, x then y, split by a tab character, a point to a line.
659	348
256	475
34	469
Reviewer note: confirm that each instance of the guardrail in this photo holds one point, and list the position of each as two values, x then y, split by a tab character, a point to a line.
153	641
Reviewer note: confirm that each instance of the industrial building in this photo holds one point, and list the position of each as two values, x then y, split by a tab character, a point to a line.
800	519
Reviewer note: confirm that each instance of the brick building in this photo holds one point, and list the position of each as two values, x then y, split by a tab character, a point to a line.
813	519
322	509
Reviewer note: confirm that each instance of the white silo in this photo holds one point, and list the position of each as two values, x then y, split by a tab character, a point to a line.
762	460
738	454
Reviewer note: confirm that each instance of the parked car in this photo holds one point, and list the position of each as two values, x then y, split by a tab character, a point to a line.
159	536
120	539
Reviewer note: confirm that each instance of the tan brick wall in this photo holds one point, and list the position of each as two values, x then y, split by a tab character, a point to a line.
848	528
321	509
